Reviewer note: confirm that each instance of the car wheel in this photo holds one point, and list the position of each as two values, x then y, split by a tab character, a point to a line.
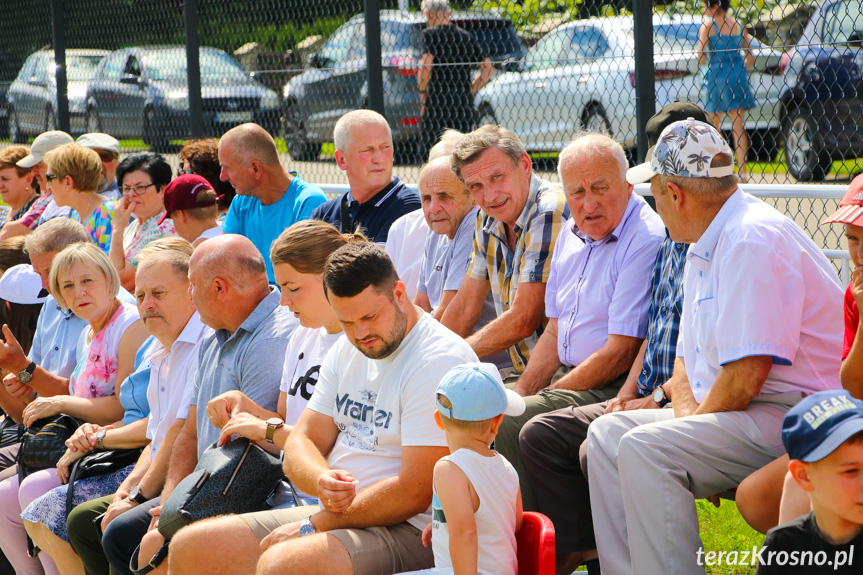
804	151
93	123
50	122
486	116
595	120
157	142
15	133
299	147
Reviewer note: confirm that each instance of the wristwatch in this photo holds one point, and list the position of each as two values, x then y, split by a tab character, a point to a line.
273	424
100	436
306	527
136	495
659	397
26	374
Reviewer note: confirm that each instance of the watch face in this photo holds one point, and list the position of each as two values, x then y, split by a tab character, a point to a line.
133	494
658	395
24	376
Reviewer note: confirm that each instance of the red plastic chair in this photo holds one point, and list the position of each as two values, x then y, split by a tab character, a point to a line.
535	542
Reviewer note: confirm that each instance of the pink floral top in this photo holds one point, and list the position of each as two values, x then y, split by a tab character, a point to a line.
96	372
139	234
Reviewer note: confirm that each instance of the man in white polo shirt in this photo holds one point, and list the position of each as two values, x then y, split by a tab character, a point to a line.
760	328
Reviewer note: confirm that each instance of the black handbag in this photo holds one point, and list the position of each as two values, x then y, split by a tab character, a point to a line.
99	463
44	443
235	478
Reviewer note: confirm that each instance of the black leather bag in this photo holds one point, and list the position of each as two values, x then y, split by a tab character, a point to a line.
235	478
99	463
44	443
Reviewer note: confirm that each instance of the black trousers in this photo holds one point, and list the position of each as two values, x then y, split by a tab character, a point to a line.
553	456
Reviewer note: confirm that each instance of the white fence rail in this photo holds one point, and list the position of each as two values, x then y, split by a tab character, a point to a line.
791	199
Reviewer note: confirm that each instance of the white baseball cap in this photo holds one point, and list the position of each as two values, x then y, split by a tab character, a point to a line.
44	143
20	284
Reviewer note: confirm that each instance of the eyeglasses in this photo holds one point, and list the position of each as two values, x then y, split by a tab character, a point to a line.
106	156
182	172
51	177
137	190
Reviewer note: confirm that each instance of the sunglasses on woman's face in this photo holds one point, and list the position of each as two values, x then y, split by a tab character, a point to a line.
51	177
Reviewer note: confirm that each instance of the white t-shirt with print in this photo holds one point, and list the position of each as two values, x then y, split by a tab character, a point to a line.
303	360
381	405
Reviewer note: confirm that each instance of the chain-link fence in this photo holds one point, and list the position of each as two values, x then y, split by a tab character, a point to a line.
787	71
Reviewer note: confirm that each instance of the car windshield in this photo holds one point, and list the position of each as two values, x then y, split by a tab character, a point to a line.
843	23
675	38
166	65
81	68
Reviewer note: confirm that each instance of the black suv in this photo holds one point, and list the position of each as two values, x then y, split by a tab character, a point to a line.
336	81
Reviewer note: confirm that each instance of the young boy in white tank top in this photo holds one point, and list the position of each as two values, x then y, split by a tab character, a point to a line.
477	502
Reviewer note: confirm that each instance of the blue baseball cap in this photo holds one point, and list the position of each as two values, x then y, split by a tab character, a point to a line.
476	393
820	423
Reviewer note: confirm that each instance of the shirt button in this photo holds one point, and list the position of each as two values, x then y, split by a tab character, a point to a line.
162	388
644	371
56	349
701	274
698	384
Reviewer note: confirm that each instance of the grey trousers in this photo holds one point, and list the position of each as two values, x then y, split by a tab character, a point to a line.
647	468
506	442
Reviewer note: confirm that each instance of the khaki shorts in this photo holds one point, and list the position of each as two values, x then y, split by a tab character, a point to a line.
373	550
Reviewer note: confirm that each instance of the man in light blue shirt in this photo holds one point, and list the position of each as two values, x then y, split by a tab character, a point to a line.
597	295
269	198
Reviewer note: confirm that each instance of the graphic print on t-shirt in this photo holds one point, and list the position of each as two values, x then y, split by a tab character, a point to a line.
360	434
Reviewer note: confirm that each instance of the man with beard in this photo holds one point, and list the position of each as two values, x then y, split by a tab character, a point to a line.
366	444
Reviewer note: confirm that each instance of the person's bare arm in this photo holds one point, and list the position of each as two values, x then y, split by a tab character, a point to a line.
117	251
14	359
465	308
851	374
424	71
747	49
305	461
701	44
391	500
520	321
629	389
453	489
603	366
13	229
544	362
154	477
446	297
736	384
422	300
483	75
99	410
679	391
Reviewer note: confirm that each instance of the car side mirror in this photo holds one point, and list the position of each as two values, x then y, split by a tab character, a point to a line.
36	81
130	79
314	61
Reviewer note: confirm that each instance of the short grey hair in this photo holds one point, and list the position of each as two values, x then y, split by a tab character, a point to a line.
342	131
55	236
471	145
445	145
589	144
435	6
173	250
81	253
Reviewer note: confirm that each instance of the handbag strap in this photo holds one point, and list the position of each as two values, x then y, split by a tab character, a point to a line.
70	488
154	561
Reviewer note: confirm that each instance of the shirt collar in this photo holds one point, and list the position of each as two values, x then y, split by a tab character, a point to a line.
261	312
631	205
191	334
380	197
706	244
493	225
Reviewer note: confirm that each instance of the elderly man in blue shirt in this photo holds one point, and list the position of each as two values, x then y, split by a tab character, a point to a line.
597	294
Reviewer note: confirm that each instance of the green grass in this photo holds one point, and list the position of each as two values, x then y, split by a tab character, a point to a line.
723	529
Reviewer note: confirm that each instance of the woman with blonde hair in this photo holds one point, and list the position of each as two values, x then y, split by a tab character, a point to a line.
84	281
73	176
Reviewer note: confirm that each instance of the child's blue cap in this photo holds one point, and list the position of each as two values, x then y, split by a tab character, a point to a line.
476	393
820	423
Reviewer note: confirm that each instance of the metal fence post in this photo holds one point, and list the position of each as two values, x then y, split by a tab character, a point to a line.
193	68
373	50
59	29
645	96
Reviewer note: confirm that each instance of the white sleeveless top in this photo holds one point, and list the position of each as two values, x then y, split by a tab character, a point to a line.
496	483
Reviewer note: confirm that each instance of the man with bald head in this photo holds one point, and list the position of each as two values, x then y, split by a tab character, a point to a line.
269	198
230	290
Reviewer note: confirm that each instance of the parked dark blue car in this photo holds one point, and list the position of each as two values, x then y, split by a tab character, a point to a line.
820	108
143	92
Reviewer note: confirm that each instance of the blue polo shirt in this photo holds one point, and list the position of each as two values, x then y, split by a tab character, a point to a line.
374	216
263	224
56	339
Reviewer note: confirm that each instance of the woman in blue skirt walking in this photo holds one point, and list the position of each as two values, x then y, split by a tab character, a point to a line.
722	43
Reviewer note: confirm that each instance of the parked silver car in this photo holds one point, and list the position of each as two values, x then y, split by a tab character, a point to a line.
32	97
581	76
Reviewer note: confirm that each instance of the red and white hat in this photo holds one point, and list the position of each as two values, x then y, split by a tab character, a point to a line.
851	207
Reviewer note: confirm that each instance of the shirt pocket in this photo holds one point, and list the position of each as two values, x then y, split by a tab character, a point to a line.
704	328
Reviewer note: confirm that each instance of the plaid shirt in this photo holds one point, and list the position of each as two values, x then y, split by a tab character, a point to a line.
31	218
536	233
663	316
